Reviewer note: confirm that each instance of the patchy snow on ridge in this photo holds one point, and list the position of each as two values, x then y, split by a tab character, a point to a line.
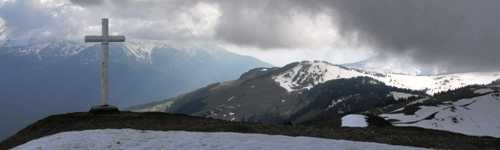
334	102
354	120
479	116
3	31
306	74
140	139
47	49
161	107
142	49
400	95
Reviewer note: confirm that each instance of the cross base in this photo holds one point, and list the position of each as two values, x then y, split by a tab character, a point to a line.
104	109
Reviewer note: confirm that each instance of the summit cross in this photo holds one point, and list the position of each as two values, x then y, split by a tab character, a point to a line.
104	39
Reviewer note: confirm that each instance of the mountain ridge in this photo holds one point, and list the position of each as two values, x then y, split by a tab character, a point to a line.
317	91
314	72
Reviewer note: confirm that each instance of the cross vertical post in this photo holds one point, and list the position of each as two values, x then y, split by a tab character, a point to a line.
104	39
104	63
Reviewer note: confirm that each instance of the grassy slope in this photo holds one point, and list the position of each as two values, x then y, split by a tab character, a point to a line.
163	121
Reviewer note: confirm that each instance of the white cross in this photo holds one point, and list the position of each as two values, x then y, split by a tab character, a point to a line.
105	38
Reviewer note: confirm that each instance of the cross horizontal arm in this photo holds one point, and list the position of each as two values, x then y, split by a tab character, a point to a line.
117	38
96	38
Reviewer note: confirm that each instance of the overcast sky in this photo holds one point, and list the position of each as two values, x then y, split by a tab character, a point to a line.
450	35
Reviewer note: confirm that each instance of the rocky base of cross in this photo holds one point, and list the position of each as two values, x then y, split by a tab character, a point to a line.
104	109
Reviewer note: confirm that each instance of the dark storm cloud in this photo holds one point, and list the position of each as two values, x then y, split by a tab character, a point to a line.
458	35
251	23
258	23
462	35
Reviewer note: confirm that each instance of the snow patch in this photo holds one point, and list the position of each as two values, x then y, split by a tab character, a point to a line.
419	101
230	98
139	139
334	102
354	120
400	95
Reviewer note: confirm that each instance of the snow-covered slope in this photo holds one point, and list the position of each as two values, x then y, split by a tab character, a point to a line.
478	116
306	74
140	139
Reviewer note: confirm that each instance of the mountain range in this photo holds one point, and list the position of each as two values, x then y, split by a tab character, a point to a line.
63	76
320	93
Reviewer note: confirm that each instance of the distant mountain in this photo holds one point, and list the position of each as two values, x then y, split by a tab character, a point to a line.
307	74
310	92
63	76
385	65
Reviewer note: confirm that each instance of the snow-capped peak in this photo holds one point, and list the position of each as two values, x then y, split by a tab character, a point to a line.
47	49
306	74
139	49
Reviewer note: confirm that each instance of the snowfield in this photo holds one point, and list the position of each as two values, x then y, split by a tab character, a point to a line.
309	73
479	116
182	140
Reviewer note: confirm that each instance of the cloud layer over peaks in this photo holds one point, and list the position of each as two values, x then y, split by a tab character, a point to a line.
456	35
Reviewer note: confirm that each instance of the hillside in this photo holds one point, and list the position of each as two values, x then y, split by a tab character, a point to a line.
167	122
